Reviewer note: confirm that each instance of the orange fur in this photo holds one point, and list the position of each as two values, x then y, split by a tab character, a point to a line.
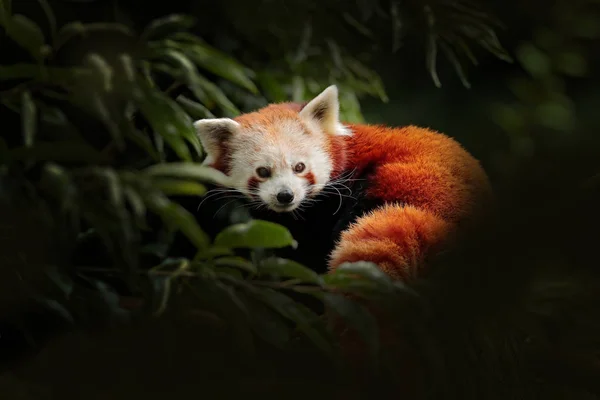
431	185
393	237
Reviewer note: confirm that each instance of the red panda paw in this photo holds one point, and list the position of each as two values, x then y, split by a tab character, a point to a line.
396	238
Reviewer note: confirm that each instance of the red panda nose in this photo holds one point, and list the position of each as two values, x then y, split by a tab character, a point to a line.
285	196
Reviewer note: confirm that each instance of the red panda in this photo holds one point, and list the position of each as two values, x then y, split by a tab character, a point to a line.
410	187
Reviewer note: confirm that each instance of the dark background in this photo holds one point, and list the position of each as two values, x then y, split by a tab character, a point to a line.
531	277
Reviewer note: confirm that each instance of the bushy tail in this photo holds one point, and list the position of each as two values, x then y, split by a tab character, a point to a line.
396	238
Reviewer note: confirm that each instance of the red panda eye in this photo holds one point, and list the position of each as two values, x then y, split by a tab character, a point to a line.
299	167
263	172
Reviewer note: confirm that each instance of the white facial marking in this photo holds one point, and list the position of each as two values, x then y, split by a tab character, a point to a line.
278	147
284	189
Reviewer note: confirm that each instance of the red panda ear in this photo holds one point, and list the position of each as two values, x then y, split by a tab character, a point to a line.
325	111
213	133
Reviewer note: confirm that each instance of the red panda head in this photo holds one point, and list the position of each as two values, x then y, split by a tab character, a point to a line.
281	154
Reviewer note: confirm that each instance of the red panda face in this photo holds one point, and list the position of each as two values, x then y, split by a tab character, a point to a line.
276	156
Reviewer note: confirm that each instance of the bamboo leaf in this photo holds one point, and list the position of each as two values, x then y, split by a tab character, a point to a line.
255	234
162	26
27	34
172	187
49	16
188	171
72	29
218	63
193	109
288	268
175	215
456	64
28	118
167	120
237	262
99	64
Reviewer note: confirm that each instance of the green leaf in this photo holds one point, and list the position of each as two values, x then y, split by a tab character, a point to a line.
28	118
173	187
218	63
194	109
102	67
72	29
288	268
27	34
167	119
188	171
360	275
213	252
237	262
175	215
255	233
162	26
142	141
49	16
534	60
137	204
458	67
272	88
366	270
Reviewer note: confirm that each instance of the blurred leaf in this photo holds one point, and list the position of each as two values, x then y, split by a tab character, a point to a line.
162	26
534	60
162	284
72	29
572	64
142	141
555	115
178	187
272	88
237	262
26	33
357	271
233	310
28	118
58	308
167	119
99	64
218	63
189	171
175	215
267	324
363	30
253	234
282	267
49	16
136	203
358	317
456	64
212	252
194	109
307	321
